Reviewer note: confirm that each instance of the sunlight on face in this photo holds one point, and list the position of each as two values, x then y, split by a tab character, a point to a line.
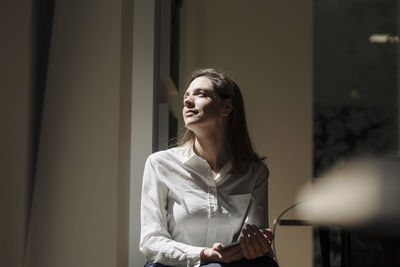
201	106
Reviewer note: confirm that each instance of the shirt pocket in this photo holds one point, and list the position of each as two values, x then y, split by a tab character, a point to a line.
195	206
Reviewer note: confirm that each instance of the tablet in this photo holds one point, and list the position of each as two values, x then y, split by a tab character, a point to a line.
231	245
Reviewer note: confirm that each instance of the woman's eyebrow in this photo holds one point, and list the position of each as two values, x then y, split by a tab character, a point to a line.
202	88
195	90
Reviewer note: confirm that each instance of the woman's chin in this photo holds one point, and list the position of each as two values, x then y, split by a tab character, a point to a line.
191	122
193	126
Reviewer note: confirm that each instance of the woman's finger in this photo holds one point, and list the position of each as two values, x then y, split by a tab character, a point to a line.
268	233
249	243
263	245
217	246
256	240
244	248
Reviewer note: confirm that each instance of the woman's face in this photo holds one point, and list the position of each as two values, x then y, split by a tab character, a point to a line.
201	106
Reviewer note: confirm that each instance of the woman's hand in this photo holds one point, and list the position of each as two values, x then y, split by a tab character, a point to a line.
216	254
255	243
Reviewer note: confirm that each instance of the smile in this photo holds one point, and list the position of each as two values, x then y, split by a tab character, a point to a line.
190	112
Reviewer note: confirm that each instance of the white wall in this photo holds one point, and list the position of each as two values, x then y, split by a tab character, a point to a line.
75	214
86	198
267	47
142	115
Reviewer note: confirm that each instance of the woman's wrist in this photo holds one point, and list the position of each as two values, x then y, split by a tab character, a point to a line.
203	256
206	255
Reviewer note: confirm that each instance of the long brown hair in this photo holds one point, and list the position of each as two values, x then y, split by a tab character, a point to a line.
242	151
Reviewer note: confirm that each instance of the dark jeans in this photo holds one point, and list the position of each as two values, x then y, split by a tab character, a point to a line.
258	262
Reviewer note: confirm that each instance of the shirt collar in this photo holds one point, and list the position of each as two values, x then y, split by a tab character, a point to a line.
188	152
191	158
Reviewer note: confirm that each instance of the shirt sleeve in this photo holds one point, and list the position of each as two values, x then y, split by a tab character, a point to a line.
258	213
155	241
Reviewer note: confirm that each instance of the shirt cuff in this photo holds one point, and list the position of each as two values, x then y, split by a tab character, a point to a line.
193	256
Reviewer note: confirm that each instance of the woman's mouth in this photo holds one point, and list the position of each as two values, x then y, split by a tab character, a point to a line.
190	112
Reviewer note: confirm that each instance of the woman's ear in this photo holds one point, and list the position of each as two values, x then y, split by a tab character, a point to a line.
227	107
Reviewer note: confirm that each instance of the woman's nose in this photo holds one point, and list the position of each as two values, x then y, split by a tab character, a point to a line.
188	102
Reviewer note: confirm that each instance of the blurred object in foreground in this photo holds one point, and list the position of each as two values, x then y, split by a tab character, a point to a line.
383	38
363	194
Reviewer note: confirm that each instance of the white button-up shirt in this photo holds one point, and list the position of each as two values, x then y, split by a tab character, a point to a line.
185	209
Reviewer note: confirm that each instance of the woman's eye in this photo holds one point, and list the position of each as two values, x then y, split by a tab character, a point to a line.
200	94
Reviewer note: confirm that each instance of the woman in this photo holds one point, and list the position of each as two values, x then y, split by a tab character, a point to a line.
209	191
